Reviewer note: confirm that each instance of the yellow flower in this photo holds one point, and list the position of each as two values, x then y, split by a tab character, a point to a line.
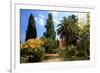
32	43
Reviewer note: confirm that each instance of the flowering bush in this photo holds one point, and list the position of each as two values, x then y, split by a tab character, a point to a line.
33	49
32	43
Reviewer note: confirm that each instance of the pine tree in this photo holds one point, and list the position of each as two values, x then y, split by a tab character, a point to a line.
50	32
31	28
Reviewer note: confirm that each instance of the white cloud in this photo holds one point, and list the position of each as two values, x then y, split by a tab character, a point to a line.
41	16
41	22
55	13
56	21
36	18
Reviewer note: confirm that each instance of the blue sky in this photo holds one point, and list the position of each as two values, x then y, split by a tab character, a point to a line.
40	18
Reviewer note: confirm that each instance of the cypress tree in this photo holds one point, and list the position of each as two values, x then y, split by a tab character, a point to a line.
31	31
50	32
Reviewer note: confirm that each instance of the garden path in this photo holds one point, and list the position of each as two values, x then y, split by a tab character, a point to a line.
53	58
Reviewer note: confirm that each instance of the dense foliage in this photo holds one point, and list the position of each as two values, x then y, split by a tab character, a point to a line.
50	32
68	29
31	31
74	36
49	45
77	37
32	51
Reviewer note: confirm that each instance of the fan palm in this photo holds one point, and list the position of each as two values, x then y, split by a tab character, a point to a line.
68	29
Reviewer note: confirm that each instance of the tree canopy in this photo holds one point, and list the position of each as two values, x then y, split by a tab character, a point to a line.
68	29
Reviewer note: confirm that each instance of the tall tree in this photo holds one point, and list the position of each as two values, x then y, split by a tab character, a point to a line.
50	32
84	36
68	29
31	31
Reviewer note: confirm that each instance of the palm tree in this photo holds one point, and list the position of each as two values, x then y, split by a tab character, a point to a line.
68	29
63	28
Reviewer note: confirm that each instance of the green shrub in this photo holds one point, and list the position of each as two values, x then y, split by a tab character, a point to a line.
49	45
23	55
23	59
70	51
81	54
24	52
37	55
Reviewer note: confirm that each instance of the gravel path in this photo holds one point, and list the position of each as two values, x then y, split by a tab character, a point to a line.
53	58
